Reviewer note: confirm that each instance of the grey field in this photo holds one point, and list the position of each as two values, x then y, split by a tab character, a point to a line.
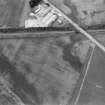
51	66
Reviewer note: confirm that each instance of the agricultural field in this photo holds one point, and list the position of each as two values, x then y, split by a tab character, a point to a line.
85	12
42	70
48	70
10	13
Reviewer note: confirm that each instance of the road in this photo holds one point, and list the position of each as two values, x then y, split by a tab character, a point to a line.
22	34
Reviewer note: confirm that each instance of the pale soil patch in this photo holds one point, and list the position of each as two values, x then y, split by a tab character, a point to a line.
25	12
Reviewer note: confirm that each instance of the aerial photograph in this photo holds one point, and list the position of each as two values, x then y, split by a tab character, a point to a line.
52	52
